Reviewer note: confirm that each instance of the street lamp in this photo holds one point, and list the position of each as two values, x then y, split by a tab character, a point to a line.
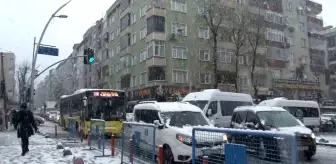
62	16
31	104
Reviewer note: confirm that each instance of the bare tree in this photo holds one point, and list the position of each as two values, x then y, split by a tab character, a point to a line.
237	30
57	88
23	77
213	13
256	39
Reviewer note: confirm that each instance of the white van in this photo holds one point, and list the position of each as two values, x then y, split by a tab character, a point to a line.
308	110
218	106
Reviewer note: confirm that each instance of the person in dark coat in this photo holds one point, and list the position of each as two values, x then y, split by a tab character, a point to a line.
14	118
26	127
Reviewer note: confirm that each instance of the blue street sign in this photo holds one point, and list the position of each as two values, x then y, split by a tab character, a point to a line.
53	51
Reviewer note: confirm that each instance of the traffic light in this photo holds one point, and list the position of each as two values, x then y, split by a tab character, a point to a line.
91	58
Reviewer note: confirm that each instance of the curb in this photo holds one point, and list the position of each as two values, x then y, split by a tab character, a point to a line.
326	144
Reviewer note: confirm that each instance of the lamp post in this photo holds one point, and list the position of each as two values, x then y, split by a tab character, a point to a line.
31	104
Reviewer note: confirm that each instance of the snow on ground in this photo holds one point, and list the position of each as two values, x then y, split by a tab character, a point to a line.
43	150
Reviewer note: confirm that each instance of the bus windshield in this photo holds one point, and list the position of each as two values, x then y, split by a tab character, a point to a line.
108	108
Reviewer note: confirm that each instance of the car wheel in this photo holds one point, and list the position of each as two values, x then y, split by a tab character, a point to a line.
168	156
309	156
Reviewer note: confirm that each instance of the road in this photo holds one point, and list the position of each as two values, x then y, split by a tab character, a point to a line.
324	154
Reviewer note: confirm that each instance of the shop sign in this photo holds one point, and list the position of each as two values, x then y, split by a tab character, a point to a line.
296	85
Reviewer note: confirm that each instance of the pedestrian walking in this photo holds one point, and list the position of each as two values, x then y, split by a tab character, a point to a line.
26	127
14	118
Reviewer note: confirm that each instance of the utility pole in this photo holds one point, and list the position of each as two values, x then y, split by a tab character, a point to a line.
3	91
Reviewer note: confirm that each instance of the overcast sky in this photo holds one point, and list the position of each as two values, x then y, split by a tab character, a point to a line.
22	20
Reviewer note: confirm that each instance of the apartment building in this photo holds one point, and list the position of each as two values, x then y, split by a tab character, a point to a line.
330	39
9	69
151	43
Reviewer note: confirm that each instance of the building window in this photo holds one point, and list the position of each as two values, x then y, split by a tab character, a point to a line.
243	81
275	35
291	58
156	48
179	5
225	56
133	18
112	36
276	74
125	41
303	43
133	81
118	49
143	55
290	41
125	21
118	30
111	53
143	32
180	76
274	17
155	24
289	5
302	27
133	60
133	38
292	75
205	78
179	29
179	52
243	59
203	32
204	55
143	10
143	78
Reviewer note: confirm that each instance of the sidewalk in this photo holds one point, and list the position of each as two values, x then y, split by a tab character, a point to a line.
43	150
330	137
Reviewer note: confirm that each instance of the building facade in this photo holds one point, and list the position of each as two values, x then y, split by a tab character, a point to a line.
143	46
9	69
330	40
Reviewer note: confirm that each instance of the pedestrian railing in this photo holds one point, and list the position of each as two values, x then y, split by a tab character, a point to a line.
72	132
96	137
138	143
230	146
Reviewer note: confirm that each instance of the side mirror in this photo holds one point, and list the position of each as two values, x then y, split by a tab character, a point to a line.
157	124
250	125
209	112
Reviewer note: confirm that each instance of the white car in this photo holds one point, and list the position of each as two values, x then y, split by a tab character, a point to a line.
174	122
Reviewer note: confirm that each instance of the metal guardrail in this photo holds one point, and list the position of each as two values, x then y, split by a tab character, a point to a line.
138	143
219	145
96	138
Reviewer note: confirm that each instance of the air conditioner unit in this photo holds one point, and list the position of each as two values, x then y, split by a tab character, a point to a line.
173	36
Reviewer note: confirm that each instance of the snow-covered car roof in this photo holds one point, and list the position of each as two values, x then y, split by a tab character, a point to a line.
168	106
258	108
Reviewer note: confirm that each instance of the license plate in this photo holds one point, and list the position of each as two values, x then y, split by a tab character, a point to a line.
303	148
212	151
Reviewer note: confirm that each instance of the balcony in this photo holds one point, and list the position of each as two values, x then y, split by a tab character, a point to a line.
317	68
156	11
156	61
313	7
125	51
315	35
315	19
276	57
125	71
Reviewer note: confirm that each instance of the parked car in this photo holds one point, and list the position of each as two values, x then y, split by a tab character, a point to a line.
174	122
328	122
268	118
39	120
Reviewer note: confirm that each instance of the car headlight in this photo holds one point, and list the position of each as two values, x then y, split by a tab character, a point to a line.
184	139
313	136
